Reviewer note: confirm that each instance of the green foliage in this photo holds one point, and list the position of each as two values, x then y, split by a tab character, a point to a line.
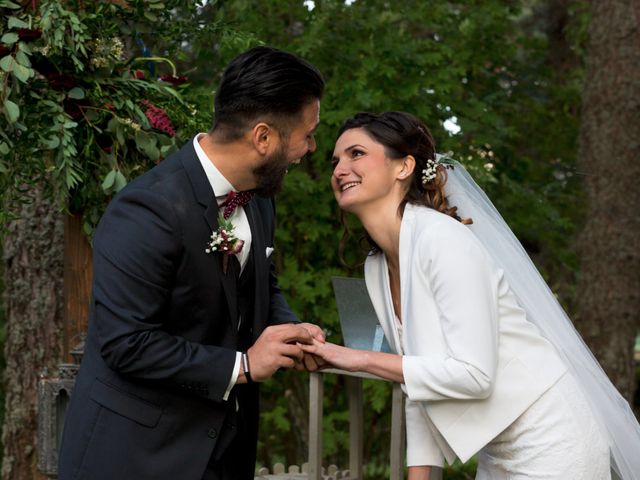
85	108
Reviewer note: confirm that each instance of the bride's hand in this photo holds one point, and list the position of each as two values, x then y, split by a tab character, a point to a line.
340	357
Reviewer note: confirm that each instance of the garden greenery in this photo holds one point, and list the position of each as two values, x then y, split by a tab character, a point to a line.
85	106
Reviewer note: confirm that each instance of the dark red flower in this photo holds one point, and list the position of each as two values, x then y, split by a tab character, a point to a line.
28	34
104	142
158	118
73	108
139	74
60	81
4	50
174	80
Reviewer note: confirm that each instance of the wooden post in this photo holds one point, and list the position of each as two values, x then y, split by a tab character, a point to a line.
78	275
316	393
356	426
397	449
436	473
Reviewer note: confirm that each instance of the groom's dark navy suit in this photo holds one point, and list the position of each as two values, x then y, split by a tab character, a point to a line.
163	335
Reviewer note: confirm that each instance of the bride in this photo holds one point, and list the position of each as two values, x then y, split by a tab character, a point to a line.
489	362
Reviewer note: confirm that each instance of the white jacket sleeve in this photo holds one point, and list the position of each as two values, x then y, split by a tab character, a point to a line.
462	282
422	448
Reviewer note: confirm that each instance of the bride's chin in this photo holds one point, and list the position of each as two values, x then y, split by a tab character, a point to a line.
348	206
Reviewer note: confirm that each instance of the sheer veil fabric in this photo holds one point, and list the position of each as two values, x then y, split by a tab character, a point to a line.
611	410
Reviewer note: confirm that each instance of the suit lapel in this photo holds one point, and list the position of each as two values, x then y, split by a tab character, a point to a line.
206	197
259	256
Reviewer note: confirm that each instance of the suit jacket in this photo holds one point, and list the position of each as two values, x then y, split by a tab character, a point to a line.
472	361
163	331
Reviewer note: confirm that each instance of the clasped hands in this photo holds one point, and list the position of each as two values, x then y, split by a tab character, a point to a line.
283	346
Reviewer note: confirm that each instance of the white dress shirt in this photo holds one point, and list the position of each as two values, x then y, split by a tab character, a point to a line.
221	187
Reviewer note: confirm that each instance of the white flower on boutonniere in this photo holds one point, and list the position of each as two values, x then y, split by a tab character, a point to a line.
224	240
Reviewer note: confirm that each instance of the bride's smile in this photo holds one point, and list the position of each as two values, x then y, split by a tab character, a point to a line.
363	172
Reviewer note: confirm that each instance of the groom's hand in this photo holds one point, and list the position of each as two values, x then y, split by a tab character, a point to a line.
315	331
312	363
277	347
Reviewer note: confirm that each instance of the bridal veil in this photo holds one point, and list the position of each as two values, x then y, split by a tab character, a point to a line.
611	410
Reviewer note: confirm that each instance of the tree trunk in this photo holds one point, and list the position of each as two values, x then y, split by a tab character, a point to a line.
609	156
33	270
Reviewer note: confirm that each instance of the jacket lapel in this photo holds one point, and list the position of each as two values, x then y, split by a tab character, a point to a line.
407	227
377	280
259	258
206	197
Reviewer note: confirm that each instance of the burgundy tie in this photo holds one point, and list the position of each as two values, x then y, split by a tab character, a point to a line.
235	200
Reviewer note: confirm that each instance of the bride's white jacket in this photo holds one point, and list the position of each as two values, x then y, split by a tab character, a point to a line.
472	362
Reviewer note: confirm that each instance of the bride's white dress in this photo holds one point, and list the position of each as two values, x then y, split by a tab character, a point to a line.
556	438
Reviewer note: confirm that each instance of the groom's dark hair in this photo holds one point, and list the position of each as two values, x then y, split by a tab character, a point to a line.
264	84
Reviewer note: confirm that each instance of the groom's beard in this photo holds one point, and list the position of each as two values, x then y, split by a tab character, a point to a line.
271	173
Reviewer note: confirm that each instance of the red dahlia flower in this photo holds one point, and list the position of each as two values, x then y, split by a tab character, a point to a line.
158	118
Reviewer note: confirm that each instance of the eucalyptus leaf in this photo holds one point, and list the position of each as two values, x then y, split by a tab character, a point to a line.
120	134
120	181
142	140
148	147
109	180
11	110
112	126
166	150
9	38
4	148
9	4
23	59
93	116
6	63
23	47
76	93
14	22
21	72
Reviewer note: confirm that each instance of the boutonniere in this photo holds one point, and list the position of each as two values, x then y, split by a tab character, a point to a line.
224	240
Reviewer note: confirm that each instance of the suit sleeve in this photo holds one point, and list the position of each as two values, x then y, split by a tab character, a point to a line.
463	284
422	448
137	249
279	310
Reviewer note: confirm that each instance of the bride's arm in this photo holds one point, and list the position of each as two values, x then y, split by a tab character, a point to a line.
421	472
385	365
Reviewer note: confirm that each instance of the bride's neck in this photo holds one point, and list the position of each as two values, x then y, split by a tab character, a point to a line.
383	226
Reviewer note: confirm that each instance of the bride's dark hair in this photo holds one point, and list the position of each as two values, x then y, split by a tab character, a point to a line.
402	134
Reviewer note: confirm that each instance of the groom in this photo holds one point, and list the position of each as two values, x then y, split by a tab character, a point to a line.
181	330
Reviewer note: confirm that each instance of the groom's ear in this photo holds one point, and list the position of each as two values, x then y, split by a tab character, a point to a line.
262	135
408	165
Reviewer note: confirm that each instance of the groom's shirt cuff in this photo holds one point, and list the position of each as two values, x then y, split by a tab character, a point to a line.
234	376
